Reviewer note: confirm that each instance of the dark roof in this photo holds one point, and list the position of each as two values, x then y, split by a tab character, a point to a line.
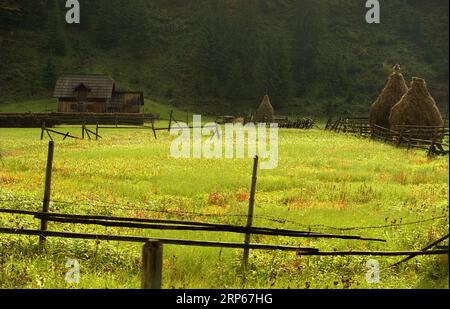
101	86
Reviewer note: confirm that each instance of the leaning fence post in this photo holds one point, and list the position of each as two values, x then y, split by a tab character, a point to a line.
48	184
251	208
152	260
153	129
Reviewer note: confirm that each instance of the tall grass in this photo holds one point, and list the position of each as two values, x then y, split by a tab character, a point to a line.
323	180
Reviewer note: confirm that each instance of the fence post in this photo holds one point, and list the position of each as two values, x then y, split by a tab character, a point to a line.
170	121
251	208
400	138
48	185
153	129
152	260
96	132
42	130
431	150
83	128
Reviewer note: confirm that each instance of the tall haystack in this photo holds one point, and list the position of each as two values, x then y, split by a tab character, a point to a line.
416	108
392	93
265	111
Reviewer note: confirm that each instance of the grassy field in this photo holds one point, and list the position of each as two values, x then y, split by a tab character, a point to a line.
324	181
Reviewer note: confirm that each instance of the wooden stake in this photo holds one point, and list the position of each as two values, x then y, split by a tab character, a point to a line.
251	208
153	129
47	192
42	130
152	260
170	121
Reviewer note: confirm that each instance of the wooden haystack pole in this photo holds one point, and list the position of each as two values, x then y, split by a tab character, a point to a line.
265	112
392	93
416	108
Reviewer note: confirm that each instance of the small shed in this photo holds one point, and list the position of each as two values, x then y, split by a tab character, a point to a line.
96	94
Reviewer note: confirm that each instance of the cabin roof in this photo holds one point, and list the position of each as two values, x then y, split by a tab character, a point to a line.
100	86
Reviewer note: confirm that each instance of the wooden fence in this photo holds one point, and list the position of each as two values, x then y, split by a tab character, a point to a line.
35	120
153	249
301	123
432	139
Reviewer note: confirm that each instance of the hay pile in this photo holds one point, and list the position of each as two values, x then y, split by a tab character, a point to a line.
392	93
265	111
416	108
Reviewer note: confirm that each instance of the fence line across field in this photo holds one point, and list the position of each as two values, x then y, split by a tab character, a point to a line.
181	213
180	225
433	139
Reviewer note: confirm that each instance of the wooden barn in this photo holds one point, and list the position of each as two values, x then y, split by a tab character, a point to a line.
95	94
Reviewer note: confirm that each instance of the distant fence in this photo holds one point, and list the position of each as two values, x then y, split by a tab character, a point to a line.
35	120
300	123
432	139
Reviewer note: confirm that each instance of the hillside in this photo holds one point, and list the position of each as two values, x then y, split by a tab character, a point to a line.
313	57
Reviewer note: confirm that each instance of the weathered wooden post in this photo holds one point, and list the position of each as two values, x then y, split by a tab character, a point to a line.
170	121
96	132
42	130
400	138
431	150
83	128
153	129
152	261
251	208
48	185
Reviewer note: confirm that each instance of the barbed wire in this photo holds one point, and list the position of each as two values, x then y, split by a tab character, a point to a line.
105	204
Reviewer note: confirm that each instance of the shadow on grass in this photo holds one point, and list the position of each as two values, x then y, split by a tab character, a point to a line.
435	274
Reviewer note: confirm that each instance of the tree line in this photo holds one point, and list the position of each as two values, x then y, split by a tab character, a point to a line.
236	49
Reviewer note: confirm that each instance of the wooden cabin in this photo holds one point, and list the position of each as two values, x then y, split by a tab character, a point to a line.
78	93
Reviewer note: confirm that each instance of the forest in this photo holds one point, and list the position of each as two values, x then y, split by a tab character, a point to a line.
312	57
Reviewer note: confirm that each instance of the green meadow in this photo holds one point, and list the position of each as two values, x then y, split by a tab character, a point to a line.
324	182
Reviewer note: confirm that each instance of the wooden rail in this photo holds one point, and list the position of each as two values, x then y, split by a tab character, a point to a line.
35	120
433	139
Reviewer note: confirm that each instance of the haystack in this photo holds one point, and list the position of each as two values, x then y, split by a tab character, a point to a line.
416	108
265	111
392	93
